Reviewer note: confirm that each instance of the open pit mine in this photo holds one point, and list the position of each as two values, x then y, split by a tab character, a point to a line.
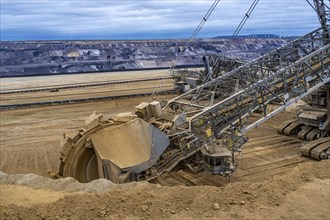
238	135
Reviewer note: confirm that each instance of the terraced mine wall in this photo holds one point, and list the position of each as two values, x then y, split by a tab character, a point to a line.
30	58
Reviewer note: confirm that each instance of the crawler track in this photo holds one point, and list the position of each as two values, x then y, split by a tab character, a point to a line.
315	149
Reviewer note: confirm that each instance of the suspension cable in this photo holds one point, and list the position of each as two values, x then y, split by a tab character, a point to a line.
247	16
238	29
310	4
192	37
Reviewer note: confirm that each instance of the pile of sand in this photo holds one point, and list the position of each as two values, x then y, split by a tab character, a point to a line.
275	198
68	184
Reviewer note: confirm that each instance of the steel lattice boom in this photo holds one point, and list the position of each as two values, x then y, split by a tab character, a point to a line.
222	106
206	125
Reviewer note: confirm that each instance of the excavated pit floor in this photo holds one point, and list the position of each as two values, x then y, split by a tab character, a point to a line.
273	180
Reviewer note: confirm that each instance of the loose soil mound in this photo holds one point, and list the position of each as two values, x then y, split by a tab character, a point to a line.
302	193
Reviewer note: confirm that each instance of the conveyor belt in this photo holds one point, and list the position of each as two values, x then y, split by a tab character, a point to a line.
80	100
81	85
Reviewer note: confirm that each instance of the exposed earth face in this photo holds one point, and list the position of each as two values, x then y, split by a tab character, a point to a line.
53	57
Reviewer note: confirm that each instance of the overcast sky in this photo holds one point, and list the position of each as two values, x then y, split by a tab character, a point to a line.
147	19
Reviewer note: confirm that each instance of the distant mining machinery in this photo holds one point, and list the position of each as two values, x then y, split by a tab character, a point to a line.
215	66
203	127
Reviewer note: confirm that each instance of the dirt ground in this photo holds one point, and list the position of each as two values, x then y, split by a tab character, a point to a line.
21	83
273	180
30	137
302	193
47	82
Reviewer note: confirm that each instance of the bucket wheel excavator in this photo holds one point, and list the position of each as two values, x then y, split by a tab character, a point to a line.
203	127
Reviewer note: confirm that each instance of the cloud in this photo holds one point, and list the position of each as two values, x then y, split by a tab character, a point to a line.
143	19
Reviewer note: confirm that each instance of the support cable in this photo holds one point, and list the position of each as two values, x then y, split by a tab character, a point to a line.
311	5
193	36
247	16
238	29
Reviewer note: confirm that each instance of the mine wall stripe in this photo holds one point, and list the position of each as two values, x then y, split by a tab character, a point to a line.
85	85
82	100
2	68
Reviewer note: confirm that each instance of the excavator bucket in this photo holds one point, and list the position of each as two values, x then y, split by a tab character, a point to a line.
115	152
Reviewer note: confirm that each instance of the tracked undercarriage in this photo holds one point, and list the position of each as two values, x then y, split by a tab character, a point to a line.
318	149
312	124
